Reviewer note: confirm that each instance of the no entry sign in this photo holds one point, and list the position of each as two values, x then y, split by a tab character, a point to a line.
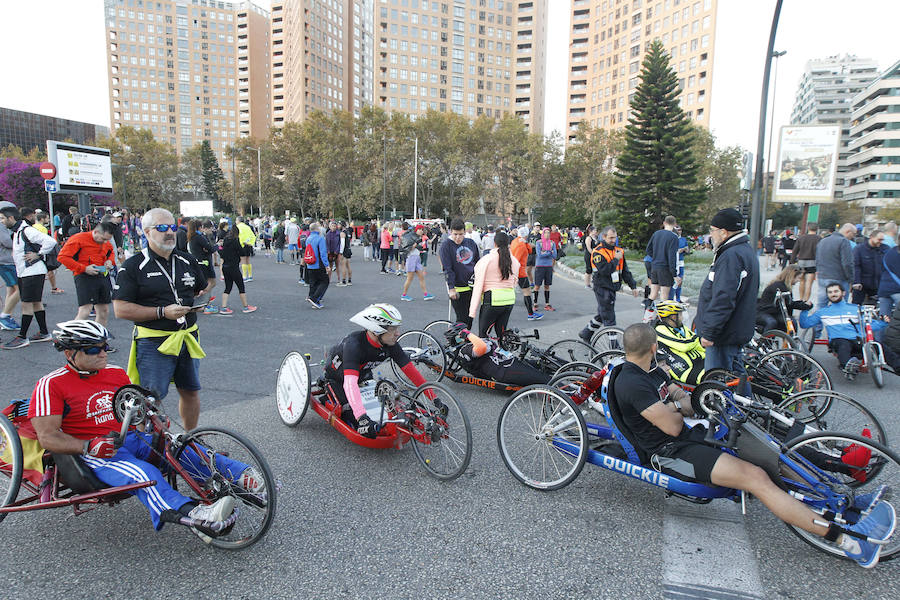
48	170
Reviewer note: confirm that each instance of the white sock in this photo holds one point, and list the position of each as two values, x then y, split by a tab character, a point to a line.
4	315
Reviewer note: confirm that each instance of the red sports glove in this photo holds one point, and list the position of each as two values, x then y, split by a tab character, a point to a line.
101	447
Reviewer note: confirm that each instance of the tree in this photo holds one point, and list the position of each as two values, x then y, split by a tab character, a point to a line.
211	174
590	160
657	171
155	181
720	169
21	183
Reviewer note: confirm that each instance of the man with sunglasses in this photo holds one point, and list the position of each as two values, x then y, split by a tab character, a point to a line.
157	290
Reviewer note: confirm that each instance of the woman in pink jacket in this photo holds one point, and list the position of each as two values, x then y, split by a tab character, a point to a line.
494	288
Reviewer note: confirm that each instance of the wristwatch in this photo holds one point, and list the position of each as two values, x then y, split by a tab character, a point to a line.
675	402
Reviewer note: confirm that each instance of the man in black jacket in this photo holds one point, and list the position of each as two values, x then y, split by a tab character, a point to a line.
868	264
610	270
727	307
663	251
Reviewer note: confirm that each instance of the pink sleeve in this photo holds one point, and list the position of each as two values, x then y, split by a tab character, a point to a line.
351	391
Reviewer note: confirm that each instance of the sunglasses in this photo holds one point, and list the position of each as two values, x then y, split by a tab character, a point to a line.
163	228
95	350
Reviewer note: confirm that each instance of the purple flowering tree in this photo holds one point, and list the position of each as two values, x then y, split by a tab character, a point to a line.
21	183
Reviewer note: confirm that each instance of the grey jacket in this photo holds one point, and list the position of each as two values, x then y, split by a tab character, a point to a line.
5	246
834	258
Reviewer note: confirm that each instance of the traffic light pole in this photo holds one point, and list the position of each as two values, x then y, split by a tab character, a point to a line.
755	207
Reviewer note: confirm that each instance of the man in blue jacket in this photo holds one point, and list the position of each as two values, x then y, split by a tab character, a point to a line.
841	320
317	273
726	312
458	257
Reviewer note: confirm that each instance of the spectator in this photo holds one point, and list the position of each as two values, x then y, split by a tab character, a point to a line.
230	252
890	234
291	233
891	340
279	240
436	232
91	258
683	249
473	235
543	268
495	277
181	234
7	274
487	240
787	247
663	251
333	243
834	263
768	244
868	263
69	225
557	239
889	286
610	270
204	251
590	240
521	250
319	271
156	290
345	253
459	254
726	310
385	247
804	256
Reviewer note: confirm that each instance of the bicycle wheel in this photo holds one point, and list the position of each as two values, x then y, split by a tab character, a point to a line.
602	359
443	436
848	465
292	389
568	381
577	365
808	339
529	424
438	329
828	410
426	353
608	338
775	339
874	363
572	350
224	463
783	372
11	463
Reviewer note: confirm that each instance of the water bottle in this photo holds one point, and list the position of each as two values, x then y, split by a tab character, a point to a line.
590	385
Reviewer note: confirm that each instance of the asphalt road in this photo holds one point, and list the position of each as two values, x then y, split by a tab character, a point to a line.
358	523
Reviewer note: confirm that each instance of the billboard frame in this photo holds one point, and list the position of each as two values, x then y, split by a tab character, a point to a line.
53	149
808	196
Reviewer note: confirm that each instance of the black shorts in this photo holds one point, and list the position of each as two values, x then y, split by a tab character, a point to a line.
524	283
529	262
31	288
689	459
93	289
543	276
208	270
662	277
246	250
588	267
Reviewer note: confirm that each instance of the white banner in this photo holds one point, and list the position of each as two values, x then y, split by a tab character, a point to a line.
807	162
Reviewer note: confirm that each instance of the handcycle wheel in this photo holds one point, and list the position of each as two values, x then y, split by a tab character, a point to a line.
706	396
224	463
529	425
824	457
568	381
438	329
607	356
808	339
426	352
292	389
828	410
578	365
443	435
11	463
608	338
571	350
874	363
775	339
784	372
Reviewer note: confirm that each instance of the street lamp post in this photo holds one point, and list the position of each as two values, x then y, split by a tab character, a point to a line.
258	178
384	183
416	181
765	202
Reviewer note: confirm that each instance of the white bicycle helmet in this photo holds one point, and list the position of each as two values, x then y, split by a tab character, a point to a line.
377	318
78	334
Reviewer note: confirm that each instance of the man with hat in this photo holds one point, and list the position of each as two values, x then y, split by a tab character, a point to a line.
726	312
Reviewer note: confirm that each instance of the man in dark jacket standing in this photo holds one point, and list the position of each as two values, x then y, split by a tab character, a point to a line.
333	243
726	313
610	270
663	250
868	264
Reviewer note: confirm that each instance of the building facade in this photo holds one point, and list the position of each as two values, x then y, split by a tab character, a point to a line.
189	70
531	62
872	177
29	130
608	42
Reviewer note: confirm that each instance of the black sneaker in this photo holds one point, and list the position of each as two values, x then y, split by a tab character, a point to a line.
367	427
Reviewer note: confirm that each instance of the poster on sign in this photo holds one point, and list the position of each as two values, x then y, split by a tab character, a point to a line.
807	163
81	168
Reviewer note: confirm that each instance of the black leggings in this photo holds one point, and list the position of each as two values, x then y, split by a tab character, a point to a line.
385	257
498	316
461	307
232	275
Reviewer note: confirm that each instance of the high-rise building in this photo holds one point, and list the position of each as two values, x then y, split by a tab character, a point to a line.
189	70
825	95
29	130
608	42
873	162
531	62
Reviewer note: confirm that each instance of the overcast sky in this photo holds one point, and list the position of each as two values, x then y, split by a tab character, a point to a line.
54	59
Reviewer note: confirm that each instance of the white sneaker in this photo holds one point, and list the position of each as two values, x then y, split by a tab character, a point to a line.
218	511
252	481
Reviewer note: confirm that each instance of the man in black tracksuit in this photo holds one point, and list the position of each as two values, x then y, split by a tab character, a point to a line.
726	311
663	251
458	256
610	270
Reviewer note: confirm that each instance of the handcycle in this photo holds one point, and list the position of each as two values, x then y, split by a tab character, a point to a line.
776	339
429	415
545	441
872	354
205	464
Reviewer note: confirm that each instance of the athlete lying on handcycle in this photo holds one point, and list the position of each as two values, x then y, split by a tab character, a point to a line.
681	347
350	362
653	409
71	412
486	359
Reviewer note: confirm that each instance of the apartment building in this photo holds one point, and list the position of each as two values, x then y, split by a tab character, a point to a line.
531	62
873	161
608	42
189	70
825	96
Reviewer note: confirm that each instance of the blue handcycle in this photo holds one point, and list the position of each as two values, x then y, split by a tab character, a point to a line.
545	441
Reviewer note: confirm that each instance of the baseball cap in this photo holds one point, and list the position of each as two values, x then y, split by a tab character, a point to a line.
537	223
7	204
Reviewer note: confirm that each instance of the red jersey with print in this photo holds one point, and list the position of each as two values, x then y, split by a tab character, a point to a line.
84	403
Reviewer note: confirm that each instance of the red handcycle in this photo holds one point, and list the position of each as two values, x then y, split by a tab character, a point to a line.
204	464
429	415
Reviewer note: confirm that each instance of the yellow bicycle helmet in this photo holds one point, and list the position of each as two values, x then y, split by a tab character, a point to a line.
668	308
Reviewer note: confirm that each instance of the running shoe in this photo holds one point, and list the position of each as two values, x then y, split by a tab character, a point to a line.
252	481
57	290
314	304
586	334
406	298
218	511
878	525
341	284
535	316
383	272
210	310
15	343
548	308
249	309
428	297
226	311
349	282
9	324
248	279
40	337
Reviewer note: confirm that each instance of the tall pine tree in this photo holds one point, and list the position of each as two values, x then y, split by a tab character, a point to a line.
211	173
657	172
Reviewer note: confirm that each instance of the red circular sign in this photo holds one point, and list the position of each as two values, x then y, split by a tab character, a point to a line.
48	170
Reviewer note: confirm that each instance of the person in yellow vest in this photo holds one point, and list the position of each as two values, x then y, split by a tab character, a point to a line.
248	240
158	290
610	271
682	348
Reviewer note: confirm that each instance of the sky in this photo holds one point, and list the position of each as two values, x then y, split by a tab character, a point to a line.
54	58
